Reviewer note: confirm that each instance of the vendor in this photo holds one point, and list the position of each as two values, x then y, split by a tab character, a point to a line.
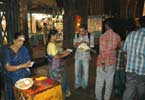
17	62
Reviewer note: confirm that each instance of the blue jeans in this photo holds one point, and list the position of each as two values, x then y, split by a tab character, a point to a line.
81	73
65	86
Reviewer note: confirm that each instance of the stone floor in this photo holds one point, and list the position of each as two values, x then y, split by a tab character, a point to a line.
69	66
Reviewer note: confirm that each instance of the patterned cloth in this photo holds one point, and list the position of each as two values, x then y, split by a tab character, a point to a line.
119	78
56	66
15	59
135	48
121	59
108	44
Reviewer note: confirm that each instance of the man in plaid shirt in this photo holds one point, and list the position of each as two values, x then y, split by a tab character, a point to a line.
135	68
106	61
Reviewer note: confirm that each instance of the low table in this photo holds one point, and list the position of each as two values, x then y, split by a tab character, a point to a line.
47	89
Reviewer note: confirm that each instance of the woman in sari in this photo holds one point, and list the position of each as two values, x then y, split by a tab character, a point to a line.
17	62
55	59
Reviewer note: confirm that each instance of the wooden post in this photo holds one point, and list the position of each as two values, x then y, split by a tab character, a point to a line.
124	8
11	18
139	8
132	4
23	21
71	9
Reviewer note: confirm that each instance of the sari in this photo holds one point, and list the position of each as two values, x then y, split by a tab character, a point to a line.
56	66
14	59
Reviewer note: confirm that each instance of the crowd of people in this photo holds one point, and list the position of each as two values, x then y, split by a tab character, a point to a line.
120	63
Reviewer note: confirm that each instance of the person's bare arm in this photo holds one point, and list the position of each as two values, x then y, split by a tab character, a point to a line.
63	54
14	68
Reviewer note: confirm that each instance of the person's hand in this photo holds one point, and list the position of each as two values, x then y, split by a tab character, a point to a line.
67	52
85	42
77	44
31	64
103	66
26	65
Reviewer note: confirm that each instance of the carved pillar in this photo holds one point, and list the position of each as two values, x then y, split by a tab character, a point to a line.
23	22
132	8
96	7
12	18
107	7
124	8
140	7
72	8
68	23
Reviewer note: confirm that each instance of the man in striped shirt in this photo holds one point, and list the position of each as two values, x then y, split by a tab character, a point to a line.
106	61
135	69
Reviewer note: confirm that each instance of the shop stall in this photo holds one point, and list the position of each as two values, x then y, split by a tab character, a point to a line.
39	25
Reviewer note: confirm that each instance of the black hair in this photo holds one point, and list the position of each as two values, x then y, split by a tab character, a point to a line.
142	21
110	22
51	32
17	34
84	26
131	25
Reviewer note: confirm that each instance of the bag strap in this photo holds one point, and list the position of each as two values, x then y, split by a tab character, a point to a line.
89	36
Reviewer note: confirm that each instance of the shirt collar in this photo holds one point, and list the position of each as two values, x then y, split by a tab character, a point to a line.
109	31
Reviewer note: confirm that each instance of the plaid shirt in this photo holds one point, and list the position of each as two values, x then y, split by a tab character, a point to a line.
135	48
121	59
108	44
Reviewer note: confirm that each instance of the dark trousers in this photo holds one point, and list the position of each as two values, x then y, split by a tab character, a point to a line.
119	82
135	87
9	86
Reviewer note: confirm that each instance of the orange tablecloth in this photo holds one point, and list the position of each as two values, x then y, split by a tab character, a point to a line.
41	90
